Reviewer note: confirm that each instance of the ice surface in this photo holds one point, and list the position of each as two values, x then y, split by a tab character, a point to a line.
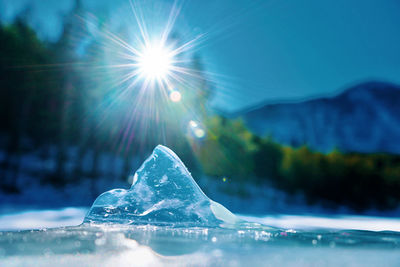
165	219
163	192
149	245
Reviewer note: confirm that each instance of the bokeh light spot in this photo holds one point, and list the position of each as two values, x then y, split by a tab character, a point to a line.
193	124
175	96
196	130
199	133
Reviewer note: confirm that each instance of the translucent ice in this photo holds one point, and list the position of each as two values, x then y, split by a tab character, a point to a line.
164	193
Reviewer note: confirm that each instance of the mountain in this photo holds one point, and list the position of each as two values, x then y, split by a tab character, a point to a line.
363	118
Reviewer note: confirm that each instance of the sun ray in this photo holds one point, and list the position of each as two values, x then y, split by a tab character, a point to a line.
151	75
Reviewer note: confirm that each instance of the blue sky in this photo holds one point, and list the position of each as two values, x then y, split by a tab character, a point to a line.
268	50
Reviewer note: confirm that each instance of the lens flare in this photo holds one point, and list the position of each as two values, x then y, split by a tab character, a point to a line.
175	96
145	63
193	124
199	133
196	130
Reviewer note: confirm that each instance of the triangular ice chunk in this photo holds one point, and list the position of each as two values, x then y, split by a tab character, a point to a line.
163	192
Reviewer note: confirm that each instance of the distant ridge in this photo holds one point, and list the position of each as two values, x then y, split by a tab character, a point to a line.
362	118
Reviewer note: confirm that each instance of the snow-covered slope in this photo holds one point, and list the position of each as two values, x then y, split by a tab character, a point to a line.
364	118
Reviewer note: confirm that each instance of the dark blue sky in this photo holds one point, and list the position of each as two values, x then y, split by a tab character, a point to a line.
269	50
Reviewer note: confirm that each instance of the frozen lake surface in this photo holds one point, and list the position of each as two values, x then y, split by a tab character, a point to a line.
301	240
166	219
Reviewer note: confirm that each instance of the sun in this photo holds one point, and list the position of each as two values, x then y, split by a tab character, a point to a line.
155	62
154	59
155	71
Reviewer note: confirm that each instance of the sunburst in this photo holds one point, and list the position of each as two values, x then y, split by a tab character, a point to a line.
150	70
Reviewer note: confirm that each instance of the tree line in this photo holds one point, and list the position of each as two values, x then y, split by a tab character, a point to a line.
356	180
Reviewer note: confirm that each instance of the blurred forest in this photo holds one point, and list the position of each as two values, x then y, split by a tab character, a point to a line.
359	181
55	113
